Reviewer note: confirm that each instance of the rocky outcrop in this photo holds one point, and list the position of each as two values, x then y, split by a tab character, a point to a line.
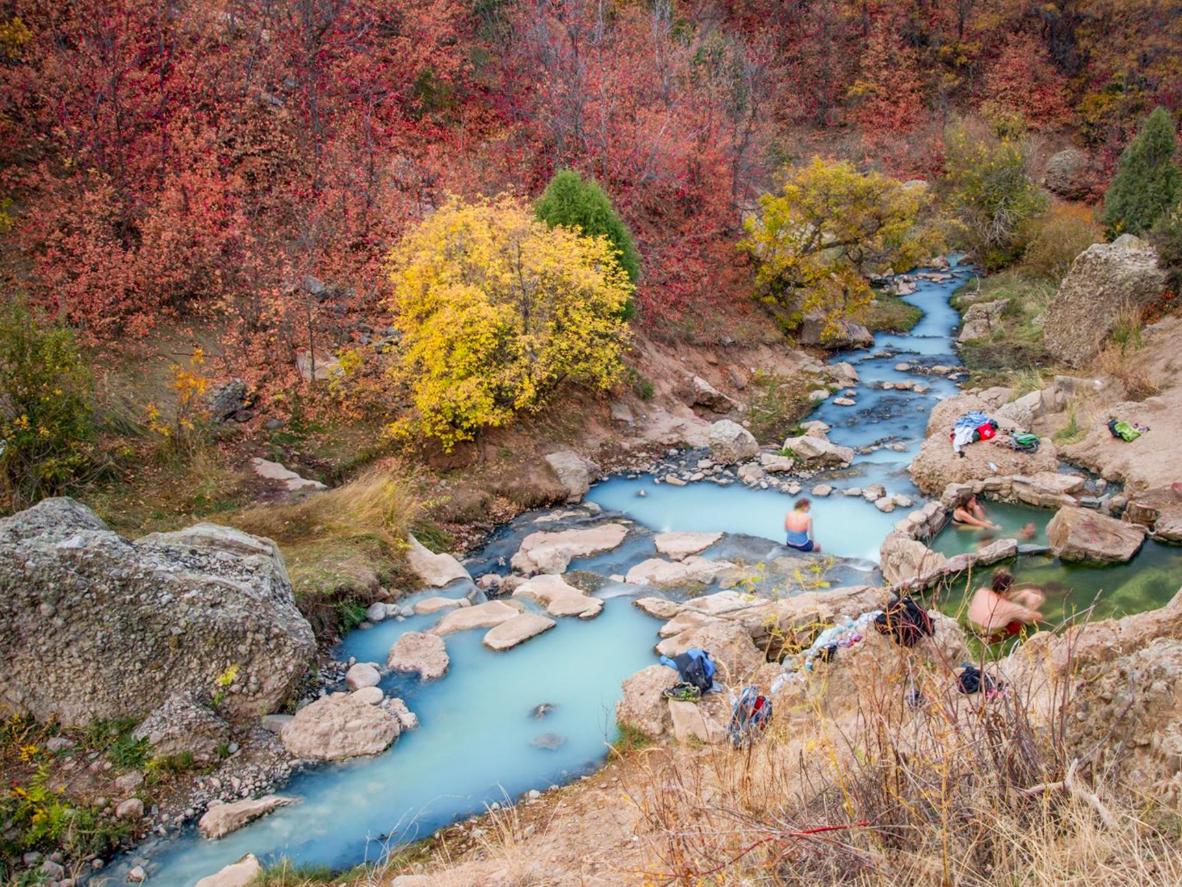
361	675
728	642
284	477
486	615
221	818
936	466
814	451
574	473
657	607
1069	174
981	319
552	552
703	721
517	630
336	727
681	545
903	558
435	570
700	393
730	443
417	651
239	874
558	597
1080	534
95	626
1105	281
437	604
642	706
816	331
182	726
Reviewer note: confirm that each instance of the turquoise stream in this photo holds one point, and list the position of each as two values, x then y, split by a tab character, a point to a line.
478	741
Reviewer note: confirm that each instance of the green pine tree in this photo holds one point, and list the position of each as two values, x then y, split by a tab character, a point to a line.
574	202
1148	182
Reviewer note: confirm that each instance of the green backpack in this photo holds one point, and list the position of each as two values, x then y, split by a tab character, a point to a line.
1024	441
1123	430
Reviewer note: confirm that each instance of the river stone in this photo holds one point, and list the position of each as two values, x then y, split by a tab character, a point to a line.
817	452
817	330
1105	280
368	695
407	719
681	545
361	675
420	652
697	392
574	473
239	874
658	607
435	604
559	598
552	552
693	570
517	630
774	463
549	741
221	818
981	319
436	570
137	623
720	603
184	726
486	615
336	727
642	707
1081	534
132	808
730	443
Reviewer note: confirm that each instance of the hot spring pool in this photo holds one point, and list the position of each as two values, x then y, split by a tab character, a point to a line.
1012	518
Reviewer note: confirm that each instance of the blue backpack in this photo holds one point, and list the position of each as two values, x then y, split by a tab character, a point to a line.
695	667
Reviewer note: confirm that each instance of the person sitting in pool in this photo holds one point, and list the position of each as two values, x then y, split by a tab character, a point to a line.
972	514
1028	532
798	524
1000	610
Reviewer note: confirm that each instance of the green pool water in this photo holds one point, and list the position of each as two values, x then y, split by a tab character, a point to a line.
1146	582
954	540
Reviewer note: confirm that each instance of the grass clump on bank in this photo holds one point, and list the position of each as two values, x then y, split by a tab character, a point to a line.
342	546
1016	346
776	404
891	314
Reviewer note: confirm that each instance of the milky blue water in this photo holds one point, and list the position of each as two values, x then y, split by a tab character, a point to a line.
844	526
475	744
472	748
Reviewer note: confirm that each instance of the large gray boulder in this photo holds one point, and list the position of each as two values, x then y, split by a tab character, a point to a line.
1080	534
818	451
981	320
97	627
730	442
1069	174
184	726
1105	281
337	727
574	473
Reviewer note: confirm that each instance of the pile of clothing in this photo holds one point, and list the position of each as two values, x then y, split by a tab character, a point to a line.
846	633
1126	431
970	428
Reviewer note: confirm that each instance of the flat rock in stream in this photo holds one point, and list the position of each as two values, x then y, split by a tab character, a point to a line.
1081	534
546	552
221	818
517	630
681	545
657	607
420	652
238	874
558	597
486	615
693	570
437	604
336	727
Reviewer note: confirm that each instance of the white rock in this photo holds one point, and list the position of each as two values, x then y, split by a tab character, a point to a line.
376	612
420	652
730	442
436	604
436	570
239	874
573	471
657	606
558	597
821	490
691	571
844	401
406	718
363	674
368	695
514	631
132	808
486	615
221	819
543	552
337	727
681	545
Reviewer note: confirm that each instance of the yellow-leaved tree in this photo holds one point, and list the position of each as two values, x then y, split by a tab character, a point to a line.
497	309
830	228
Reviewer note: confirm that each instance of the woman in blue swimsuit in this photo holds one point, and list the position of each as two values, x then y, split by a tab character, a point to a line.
798	524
